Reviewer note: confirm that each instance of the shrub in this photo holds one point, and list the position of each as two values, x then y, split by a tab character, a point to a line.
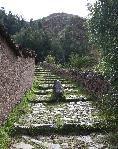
50	59
81	62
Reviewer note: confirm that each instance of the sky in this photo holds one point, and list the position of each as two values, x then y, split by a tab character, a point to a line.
37	9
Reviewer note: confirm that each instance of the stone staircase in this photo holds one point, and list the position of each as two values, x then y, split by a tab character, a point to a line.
69	124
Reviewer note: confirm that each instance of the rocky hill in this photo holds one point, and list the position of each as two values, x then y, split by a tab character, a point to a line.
58	34
57	22
66	32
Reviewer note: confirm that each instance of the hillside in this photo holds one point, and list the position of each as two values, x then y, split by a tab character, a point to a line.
66	32
58	21
58	34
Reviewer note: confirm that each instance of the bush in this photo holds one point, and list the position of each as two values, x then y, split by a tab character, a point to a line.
81	62
50	59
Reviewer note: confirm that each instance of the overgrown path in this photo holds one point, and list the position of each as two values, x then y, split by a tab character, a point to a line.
70	124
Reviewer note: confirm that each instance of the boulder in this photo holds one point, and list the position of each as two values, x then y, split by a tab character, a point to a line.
58	92
57	88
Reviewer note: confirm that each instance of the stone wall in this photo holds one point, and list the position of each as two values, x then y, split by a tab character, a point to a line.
94	83
16	76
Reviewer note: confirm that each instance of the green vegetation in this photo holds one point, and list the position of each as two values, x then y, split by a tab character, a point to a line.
7	128
50	59
68	46
12	23
103	33
103	27
45	40
81	62
36	39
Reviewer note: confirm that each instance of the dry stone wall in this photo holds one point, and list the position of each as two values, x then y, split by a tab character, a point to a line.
94	83
16	76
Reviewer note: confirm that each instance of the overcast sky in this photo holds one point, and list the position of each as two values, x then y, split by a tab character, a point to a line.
41	8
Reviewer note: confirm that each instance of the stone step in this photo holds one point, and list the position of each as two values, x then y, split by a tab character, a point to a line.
60	79
75	96
47	76
42	92
75	115
46	87
42	70
43	97
52	77
70	97
66	129
63	141
70	91
40	73
48	101
69	94
22	145
60	114
37	71
52	83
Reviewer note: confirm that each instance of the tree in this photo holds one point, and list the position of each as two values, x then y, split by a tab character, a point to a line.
73	40
12	23
81	62
56	50
34	39
103	29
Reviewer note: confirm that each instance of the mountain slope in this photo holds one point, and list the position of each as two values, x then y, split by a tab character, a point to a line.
58	21
67	33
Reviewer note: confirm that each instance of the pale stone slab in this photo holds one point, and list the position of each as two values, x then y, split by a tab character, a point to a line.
22	145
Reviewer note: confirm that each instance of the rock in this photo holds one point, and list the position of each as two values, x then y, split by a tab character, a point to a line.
52	146
36	141
65	145
58	93
22	145
55	146
57	88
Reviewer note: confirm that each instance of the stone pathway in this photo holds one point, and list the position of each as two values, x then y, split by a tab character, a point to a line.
58	125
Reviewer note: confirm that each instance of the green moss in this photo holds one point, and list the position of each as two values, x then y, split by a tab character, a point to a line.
4	139
7	129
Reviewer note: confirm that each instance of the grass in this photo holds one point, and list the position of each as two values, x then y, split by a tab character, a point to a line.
7	128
